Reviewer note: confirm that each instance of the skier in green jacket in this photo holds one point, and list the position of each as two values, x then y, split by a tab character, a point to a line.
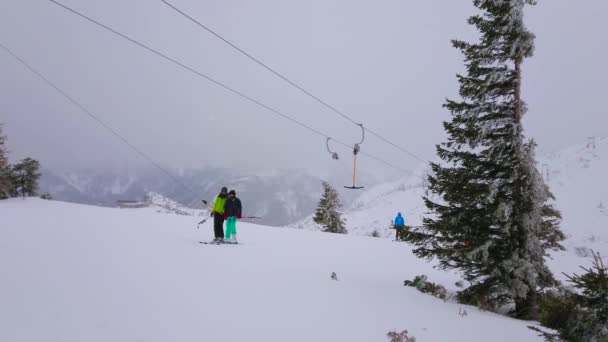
218	215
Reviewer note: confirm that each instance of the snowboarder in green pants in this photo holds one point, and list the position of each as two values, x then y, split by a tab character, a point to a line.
232	212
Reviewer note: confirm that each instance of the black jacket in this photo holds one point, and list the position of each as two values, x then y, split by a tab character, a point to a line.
232	207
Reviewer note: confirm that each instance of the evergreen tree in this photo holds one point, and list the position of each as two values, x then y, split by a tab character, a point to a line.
25	176
491	216
327	214
590	320
583	315
5	181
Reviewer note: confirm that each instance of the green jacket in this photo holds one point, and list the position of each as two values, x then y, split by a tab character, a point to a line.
219	205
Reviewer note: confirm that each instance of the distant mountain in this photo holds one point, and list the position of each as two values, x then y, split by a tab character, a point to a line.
279	197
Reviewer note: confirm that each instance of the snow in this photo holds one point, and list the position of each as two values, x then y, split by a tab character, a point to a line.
163	204
577	178
82	273
375	208
575	175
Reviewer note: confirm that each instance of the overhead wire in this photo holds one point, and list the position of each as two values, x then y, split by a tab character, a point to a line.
75	102
214	81
284	78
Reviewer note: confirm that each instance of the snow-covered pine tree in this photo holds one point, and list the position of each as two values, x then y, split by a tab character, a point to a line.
5	181
491	216
582	315
327	214
590	323
24	177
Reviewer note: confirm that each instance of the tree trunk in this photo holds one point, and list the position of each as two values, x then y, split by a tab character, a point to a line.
518	105
528	308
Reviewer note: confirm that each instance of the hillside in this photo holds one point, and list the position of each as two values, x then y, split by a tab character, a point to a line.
576	176
81	273
279	198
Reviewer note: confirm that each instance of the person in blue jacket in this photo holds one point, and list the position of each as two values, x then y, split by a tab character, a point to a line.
399	227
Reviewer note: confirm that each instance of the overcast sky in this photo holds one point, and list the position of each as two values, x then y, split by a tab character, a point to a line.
388	64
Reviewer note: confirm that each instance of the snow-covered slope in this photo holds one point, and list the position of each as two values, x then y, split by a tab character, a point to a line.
376	207
383	202
72	272
79	273
162	204
576	176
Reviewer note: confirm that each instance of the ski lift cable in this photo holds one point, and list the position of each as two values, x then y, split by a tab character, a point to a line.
256	60
371	156
182	65
144	155
218	83
284	78
98	120
397	146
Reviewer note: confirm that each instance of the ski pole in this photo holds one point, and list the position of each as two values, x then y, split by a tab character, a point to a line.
207	204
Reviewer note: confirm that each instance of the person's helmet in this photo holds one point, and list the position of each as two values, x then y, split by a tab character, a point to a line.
224	190
232	192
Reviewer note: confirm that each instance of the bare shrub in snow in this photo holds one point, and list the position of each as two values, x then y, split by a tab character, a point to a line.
583	252
400	336
423	285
